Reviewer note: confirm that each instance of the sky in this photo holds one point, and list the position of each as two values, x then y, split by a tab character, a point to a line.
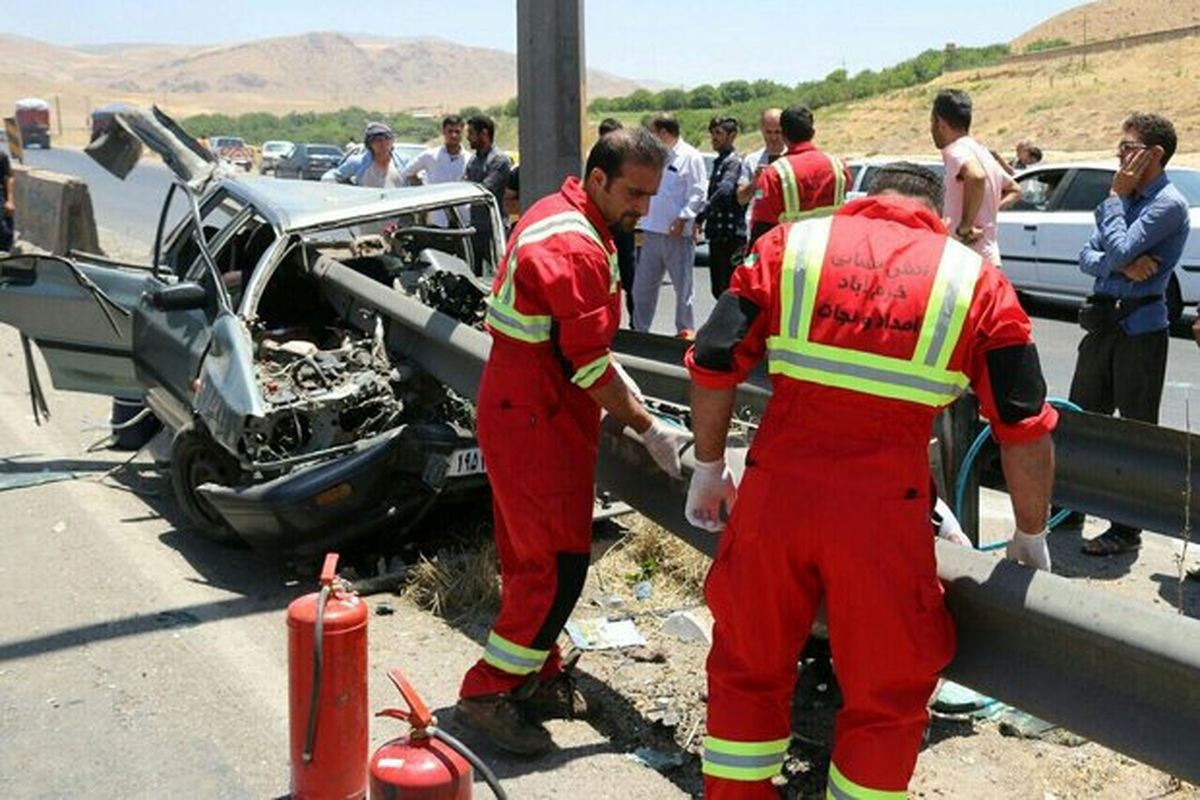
685	42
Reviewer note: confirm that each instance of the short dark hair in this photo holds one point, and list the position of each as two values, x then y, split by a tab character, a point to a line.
1035	153
665	122
1154	130
953	106
610	124
727	124
797	124
482	122
624	145
451	119
910	180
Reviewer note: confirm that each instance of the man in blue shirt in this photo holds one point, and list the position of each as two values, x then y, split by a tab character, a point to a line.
1140	232
377	165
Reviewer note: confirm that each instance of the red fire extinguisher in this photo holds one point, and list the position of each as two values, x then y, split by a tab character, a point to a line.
428	763
327	697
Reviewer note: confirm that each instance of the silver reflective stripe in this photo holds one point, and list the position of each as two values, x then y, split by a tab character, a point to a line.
945	315
866	373
532	330
743	762
959	266
797	282
497	653
837	793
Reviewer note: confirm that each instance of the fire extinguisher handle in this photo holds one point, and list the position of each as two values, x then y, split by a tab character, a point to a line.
329	569
418	715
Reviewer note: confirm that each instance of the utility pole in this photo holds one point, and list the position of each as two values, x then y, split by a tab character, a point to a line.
550	93
58	114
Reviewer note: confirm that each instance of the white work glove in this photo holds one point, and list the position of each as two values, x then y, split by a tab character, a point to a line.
1029	549
629	382
711	492
664	442
948	527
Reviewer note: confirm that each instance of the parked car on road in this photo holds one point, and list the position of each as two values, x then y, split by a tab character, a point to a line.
308	161
1041	235
272	152
298	421
862	172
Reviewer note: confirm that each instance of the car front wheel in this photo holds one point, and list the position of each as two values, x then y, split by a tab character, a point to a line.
196	460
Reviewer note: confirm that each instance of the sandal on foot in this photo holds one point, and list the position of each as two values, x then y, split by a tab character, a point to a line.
1110	543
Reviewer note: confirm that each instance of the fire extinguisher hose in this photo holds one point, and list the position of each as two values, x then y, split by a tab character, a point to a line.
310	734
489	777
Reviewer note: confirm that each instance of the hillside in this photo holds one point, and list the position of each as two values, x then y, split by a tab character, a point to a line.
1112	19
310	72
1066	105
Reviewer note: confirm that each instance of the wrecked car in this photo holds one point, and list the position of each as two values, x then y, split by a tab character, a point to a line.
295	422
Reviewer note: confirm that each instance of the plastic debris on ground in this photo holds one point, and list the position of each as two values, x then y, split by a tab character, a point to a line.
688	626
23	480
601	634
954	698
656	759
642	590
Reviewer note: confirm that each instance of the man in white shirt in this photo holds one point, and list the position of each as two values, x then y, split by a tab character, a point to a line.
771	128
443	164
976	185
667	244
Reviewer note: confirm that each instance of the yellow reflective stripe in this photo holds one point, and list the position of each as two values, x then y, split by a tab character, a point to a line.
509	321
814	213
743	761
791	191
883	383
840	787
921	379
839	180
511	657
589	373
563	222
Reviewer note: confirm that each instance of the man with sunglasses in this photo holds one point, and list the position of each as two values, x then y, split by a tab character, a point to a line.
1141	228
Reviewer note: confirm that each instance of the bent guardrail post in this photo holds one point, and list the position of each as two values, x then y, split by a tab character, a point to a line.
1124	674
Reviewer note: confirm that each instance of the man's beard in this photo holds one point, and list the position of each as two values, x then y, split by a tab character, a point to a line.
627	223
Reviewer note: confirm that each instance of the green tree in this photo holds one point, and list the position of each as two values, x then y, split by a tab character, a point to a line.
704	96
735	92
672	99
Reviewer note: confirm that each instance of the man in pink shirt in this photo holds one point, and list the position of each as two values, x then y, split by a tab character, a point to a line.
976	186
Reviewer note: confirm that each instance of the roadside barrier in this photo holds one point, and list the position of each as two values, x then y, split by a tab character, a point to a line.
54	211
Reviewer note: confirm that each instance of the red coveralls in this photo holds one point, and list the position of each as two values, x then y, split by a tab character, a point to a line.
835	502
817	190
554	310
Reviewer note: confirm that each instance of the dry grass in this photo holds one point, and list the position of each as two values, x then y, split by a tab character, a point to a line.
675	569
456	584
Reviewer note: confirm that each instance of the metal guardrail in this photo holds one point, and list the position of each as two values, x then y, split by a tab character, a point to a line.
1128	677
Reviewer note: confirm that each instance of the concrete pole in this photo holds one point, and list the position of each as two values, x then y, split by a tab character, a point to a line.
550	92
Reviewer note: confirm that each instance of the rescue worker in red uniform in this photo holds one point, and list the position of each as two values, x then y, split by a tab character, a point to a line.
803	184
554	309
872	321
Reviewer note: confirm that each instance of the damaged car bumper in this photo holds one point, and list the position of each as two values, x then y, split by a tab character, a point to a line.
389	480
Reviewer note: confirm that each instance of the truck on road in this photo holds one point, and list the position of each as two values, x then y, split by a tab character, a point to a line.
33	119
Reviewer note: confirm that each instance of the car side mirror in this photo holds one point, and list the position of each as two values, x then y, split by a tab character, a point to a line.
183	296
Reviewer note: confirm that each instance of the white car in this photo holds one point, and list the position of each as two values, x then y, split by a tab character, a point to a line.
272	152
862	172
1041	235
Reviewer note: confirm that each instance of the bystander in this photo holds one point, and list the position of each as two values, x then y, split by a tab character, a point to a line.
377	165
445	163
723	216
624	239
8	208
489	167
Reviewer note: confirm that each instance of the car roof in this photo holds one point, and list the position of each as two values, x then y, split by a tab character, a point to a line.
300	205
1111	166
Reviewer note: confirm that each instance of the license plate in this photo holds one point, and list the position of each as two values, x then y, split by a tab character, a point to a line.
468	461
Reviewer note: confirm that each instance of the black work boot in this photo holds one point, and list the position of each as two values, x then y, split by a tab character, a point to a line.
505	724
556	698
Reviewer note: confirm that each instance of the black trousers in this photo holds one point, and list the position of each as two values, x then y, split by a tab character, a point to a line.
724	256
6	232
626	257
1117	372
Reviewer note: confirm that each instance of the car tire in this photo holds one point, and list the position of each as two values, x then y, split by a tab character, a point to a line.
1174	301
195	460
